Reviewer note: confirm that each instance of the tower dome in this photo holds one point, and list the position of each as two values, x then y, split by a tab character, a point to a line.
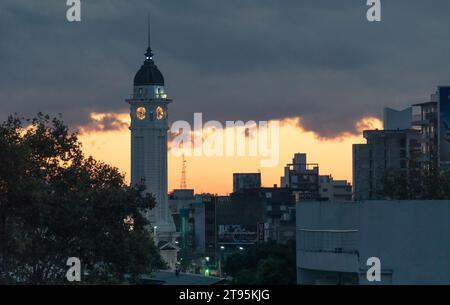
149	74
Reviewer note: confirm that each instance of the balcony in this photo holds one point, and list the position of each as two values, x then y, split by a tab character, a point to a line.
328	250
424	119
336	241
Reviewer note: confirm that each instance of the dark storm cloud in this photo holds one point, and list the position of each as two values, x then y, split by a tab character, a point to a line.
232	60
104	122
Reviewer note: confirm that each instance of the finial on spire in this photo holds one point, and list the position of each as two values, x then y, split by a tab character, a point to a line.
148	29
149	53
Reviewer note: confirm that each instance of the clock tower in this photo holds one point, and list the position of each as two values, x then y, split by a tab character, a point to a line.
149	126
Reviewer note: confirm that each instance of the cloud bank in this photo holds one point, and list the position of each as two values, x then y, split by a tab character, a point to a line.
317	60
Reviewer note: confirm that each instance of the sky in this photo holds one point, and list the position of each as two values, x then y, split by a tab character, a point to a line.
318	66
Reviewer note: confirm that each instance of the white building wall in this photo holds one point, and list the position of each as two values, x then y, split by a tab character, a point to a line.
397	119
411	238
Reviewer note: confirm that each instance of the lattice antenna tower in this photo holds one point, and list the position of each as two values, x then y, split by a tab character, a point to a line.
183	184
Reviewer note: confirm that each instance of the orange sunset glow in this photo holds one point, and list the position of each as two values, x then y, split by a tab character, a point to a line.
214	174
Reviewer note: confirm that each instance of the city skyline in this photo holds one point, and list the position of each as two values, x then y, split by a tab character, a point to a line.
244	144
218	177
321	86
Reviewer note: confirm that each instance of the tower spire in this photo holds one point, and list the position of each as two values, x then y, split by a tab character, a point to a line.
148	30
149	53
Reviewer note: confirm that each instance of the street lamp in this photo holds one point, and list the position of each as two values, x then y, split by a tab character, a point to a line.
154	234
207	267
221	260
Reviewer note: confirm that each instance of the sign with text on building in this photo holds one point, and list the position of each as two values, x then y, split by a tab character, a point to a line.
237	234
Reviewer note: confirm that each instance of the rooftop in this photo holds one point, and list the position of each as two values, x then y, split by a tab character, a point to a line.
170	278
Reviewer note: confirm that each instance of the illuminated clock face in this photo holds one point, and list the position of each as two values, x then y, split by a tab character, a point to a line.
140	113
160	113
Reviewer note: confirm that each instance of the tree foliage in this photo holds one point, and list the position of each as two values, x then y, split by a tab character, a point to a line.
263	264
427	183
55	203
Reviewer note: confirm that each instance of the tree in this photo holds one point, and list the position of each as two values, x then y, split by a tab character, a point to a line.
55	203
263	264
425	183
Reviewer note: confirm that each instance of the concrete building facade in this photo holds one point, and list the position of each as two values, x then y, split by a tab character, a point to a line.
426	129
335	240
385	150
302	177
188	212
243	181
334	190
425	119
397	119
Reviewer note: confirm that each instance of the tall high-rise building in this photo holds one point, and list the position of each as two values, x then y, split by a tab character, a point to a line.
444	127
432	118
425	119
149	125
385	150
421	141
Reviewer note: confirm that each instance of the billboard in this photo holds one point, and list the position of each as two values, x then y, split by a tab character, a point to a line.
444	124
237	234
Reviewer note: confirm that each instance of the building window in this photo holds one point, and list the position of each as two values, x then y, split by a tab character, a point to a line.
403	143
402	163
402	153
